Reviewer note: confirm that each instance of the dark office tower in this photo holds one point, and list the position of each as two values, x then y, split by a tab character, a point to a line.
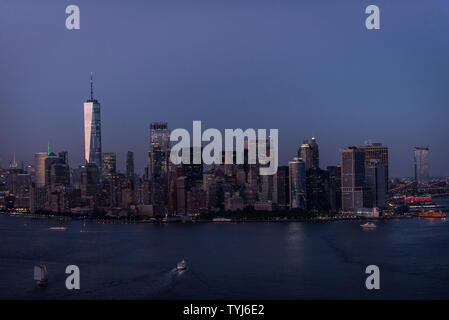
146	192
315	153
92	129
193	171
90	182
305	153
297	183
22	201
421	165
109	165
196	201
354	193
117	194
317	185
268	188
75	174
174	173
57	180
19	187
181	195
283	188
58	190
11	179
138	195
130	165
376	151
375	180
128	193
334	187
51	159
59	175
158	165
64	157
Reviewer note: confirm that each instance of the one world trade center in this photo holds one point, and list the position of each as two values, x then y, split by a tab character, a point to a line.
92	129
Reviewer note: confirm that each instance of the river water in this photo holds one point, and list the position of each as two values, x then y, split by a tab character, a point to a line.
297	260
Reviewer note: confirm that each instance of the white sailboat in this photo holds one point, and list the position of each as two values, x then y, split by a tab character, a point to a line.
58	228
41	275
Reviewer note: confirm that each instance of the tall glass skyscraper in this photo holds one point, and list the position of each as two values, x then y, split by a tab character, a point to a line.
315	153
422	165
306	154
39	164
130	164
297	182
158	164
92	129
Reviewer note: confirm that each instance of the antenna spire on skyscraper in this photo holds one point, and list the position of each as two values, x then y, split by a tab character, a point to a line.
13	164
91	86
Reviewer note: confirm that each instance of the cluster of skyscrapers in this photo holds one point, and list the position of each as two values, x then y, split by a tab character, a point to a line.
358	183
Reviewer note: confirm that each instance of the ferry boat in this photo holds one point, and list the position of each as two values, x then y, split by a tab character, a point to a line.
368	225
181	265
220	219
58	228
418	204
432	214
41	275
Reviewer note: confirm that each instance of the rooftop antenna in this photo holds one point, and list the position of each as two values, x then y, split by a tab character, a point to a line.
48	149
13	164
91	86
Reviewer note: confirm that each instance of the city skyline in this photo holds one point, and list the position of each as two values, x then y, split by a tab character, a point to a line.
230	158
273	68
123	168
159	137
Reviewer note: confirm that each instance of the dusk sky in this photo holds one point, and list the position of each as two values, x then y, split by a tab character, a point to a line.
304	67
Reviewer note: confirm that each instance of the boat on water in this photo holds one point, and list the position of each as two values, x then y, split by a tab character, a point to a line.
220	219
368	225
58	228
41	275
432	214
182	265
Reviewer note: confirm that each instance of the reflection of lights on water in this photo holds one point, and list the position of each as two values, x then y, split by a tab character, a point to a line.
433	220
294	248
294	231
181	272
